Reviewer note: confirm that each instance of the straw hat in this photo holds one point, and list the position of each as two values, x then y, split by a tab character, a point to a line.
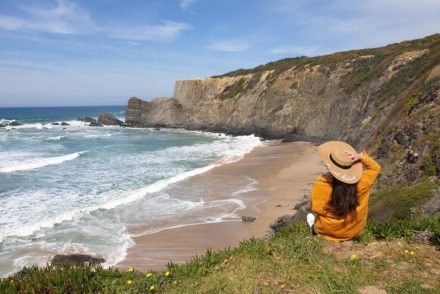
339	163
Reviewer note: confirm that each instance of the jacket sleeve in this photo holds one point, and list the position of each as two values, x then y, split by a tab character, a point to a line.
319	196
370	173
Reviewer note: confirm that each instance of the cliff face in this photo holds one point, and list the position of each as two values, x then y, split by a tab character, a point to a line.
360	96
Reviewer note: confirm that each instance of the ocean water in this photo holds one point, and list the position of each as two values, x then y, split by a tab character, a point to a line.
81	189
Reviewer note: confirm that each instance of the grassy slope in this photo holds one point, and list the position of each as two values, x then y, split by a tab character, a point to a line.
290	262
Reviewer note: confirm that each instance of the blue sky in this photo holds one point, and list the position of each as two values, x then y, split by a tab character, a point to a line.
101	52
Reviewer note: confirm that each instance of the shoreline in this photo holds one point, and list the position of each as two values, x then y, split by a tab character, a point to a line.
283	173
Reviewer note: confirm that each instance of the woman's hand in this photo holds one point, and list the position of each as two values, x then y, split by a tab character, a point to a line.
355	156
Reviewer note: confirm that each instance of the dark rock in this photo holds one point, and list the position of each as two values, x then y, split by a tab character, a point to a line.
87	119
2	125
108	119
95	124
248	219
300	205
412	156
76	260
55	124
15	124
281	222
157	129
432	206
65	124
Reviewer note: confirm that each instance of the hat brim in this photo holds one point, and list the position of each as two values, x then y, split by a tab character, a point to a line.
350	175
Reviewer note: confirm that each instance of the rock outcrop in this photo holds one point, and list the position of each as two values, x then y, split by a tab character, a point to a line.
108	119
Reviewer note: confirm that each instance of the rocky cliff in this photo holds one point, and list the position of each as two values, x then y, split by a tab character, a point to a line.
385	99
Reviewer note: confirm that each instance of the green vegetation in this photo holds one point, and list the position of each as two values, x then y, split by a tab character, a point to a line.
332	59
404	229
233	90
395	203
428	166
291	261
178	105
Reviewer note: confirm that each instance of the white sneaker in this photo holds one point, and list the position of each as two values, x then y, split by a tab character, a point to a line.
310	219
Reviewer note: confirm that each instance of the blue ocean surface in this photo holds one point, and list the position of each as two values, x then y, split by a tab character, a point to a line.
82	189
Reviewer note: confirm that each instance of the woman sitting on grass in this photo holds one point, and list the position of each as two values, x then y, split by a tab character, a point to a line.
339	199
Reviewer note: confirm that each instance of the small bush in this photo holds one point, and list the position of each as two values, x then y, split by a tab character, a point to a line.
428	166
396	202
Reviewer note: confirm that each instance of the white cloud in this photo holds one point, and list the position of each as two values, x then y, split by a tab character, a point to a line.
184	4
167	31
229	46
64	18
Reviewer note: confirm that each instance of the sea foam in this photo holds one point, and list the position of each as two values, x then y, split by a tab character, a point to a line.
38	163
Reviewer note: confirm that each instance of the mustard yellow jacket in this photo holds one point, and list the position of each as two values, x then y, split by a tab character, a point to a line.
332	227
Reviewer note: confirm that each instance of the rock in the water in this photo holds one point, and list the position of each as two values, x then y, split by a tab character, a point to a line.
76	260
248	219
2	125
108	119
55	124
95	124
15	124
65	124
87	119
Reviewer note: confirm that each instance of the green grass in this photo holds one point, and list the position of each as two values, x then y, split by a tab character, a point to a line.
395	203
401	229
292	260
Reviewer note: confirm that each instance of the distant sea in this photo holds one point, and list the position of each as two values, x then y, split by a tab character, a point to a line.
81	189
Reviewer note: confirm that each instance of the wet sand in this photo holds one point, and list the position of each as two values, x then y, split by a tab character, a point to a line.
284	173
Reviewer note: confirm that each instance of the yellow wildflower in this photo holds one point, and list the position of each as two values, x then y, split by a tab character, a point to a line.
167	274
283	286
129	282
130	270
353	257
149	275
412	253
406	251
152	288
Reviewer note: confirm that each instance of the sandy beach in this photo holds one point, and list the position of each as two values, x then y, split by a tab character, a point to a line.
283	173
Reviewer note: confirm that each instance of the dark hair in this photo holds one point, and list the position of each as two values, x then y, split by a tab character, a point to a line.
343	199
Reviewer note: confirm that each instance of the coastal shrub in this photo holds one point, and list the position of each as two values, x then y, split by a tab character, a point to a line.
401	229
428	166
233	90
395	203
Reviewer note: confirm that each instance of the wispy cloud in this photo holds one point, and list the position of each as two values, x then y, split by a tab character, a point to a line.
229	45
185	4
167	31
64	18
68	18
